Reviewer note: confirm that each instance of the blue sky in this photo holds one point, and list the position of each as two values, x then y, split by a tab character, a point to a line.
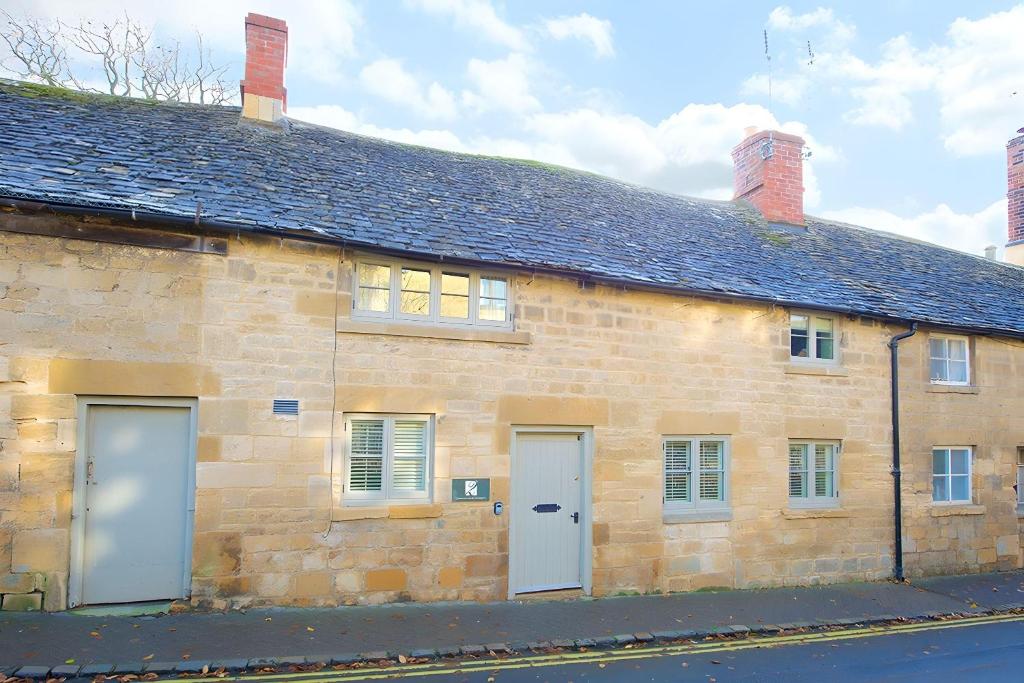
906	107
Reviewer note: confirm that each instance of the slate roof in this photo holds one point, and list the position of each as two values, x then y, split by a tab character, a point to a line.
63	147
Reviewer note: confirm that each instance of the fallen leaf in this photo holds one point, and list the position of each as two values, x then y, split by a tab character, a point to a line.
715	661
402	659
69	661
206	669
267	619
95	634
147	658
310	628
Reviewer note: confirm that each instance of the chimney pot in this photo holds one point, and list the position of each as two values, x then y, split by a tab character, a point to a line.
768	173
264	97
990	252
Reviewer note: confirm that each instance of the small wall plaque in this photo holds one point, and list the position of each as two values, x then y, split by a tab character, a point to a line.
471	489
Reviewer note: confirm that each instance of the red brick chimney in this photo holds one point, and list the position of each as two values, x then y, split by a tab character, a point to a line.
266	53
1015	199
768	172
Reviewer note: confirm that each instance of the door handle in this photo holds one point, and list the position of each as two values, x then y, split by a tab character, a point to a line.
575	518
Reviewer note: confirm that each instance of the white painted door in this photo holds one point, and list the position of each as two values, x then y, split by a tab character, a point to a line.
136	503
547	472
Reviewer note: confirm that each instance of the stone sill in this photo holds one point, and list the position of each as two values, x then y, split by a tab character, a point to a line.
952	389
692	517
815	513
396	329
389	512
823	369
956	510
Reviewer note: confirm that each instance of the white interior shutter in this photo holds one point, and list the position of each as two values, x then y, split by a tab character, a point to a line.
409	471
677	471
712	459
366	457
823	471
798	470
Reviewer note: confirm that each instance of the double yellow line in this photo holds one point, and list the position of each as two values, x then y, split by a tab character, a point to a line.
467	666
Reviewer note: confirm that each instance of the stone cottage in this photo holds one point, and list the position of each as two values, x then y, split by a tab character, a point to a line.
250	360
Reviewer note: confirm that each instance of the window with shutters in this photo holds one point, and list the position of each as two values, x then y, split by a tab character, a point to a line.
813	474
696	473
388	458
437	295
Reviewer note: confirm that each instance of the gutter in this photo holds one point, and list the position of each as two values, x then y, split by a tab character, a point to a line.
897	475
197	223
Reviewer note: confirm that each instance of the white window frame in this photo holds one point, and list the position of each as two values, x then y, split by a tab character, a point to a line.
1020	478
391	292
695	505
967	357
387	496
434	317
812	346
812	500
948	475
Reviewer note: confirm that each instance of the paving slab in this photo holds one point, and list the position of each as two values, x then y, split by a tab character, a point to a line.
50	639
987	591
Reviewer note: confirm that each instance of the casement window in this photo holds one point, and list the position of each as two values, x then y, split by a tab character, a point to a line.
1020	477
696	473
951	474
432	294
812	337
813	473
949	361
389	458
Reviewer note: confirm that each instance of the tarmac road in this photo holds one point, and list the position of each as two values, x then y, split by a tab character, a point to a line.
973	650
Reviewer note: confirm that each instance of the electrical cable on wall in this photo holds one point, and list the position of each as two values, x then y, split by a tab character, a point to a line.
334	390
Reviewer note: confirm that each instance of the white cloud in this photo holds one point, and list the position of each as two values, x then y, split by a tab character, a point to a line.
584	27
980	70
974	74
335	116
387	78
477	16
970	232
686	153
322	33
783	19
501	84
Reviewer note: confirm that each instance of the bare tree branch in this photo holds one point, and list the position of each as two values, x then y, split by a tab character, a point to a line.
118	57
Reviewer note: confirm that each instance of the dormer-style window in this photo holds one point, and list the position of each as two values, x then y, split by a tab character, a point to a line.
411	292
812	338
949	361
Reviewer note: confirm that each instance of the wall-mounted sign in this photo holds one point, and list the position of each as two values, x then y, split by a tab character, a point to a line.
471	489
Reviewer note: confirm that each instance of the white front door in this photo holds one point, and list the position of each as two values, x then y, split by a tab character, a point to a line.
546	550
136	499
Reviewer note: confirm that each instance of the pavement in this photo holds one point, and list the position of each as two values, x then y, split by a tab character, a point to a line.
73	644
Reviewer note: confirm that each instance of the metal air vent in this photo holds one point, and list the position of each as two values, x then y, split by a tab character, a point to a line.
286	406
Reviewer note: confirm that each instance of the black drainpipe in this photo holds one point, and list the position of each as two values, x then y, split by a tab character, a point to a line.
894	354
